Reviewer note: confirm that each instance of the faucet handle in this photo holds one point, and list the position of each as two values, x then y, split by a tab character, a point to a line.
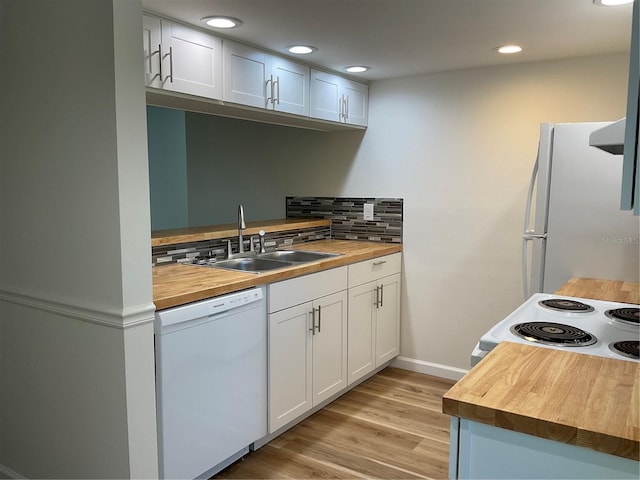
261	234
229	252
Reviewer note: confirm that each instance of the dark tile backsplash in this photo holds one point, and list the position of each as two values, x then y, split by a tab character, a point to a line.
347	223
347	218
183	252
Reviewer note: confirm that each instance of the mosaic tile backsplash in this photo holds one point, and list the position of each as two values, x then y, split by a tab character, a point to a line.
347	216
217	248
347	223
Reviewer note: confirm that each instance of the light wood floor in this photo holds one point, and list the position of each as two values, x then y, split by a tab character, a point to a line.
390	426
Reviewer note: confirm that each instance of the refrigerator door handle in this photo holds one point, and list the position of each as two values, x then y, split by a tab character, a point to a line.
531	235
528	234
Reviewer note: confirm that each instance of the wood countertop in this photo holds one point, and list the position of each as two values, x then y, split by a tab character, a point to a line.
196	234
612	291
179	284
568	397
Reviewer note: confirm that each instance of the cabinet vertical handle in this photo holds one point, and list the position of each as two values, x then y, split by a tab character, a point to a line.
268	91
381	295
171	64
277	95
313	321
160	59
346	107
376	302
319	317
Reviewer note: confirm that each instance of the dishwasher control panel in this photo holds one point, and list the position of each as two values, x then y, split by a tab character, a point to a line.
207	308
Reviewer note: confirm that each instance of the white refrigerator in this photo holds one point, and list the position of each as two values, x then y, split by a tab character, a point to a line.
573	223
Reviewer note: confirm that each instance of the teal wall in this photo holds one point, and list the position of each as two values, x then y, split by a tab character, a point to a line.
167	168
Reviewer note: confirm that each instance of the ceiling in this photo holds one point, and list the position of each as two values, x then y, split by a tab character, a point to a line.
405	37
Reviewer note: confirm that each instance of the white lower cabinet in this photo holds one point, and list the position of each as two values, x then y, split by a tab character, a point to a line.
327	330
374	314
307	343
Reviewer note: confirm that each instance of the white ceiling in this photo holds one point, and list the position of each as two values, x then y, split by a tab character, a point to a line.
405	37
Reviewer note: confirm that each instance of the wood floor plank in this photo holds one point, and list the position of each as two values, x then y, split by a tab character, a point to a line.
389	427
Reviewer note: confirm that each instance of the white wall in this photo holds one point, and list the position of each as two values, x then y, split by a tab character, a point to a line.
76	350
232	162
458	147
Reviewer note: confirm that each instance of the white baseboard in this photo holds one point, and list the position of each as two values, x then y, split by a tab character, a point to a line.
429	368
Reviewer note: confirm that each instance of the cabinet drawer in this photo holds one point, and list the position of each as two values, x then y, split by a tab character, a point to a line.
304	289
371	270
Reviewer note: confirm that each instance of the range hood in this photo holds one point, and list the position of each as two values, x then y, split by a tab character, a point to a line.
609	138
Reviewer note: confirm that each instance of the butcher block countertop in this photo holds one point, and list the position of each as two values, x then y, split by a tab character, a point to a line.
613	291
197	234
573	398
179	284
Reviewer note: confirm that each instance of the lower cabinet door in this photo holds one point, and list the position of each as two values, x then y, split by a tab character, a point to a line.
329	346
388	319
290	364
361	331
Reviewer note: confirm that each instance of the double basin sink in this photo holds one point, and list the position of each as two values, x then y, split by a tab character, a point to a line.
264	262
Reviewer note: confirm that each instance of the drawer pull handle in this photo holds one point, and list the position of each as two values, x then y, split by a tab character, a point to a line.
381	262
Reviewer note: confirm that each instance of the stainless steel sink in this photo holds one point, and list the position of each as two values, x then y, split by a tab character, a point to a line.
297	256
264	262
251	264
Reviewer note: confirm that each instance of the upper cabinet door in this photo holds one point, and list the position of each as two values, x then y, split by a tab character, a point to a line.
325	96
191	61
355	102
289	82
151	45
245	75
253	77
338	99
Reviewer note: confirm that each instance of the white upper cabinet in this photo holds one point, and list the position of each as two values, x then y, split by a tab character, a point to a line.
255	78
338	99
151	45
191	61
290	82
182	59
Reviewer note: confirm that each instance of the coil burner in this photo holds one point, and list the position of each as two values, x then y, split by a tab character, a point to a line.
628	348
557	334
566	305
629	315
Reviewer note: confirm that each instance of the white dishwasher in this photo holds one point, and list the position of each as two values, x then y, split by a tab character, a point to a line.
211	382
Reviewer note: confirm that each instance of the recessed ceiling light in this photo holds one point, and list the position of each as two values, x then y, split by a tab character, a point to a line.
509	49
611	3
301	49
357	69
222	22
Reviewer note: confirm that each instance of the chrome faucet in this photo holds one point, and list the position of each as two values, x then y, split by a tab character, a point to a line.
241	226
